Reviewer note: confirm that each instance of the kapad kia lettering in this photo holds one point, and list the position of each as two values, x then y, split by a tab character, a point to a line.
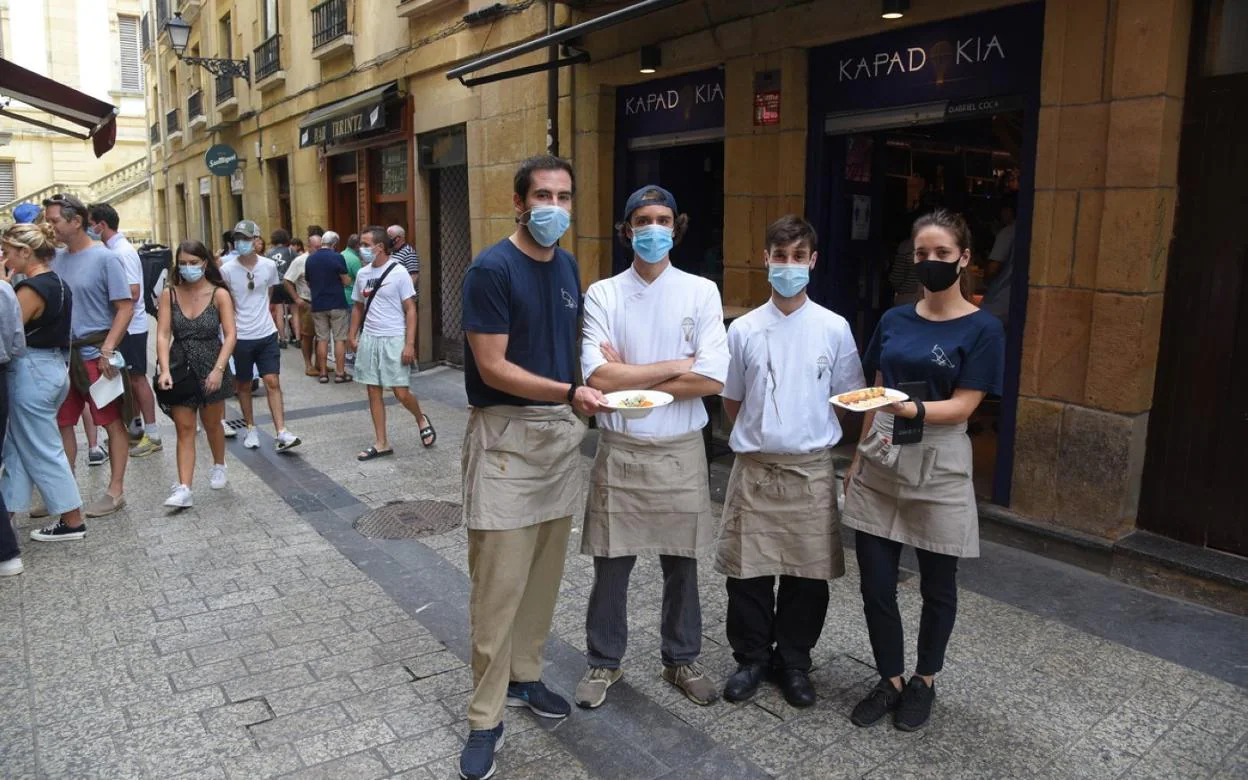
668	99
972	50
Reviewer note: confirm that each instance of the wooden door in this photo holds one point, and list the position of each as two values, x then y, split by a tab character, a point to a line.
1192	489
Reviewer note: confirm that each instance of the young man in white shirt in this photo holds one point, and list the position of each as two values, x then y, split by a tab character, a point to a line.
105	223
250	276
383	333
789	356
651	327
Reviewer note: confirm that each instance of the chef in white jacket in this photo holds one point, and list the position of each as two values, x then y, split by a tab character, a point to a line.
789	356
651	327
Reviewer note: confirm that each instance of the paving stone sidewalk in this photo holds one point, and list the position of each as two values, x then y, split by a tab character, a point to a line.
259	635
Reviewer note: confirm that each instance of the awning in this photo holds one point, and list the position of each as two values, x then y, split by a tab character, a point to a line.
97	117
558	37
347	118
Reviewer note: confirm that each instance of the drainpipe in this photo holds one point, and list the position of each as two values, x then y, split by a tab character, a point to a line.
552	86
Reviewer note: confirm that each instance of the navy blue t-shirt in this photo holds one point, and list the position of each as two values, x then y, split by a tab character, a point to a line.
537	304
967	352
324	270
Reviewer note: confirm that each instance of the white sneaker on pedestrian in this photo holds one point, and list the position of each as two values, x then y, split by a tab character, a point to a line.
287	440
97	456
218	476
12	567
230	431
180	498
252	440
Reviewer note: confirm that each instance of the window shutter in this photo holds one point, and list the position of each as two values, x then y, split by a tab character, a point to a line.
131	64
8	181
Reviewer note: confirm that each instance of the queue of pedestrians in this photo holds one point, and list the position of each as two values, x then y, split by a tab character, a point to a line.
533	372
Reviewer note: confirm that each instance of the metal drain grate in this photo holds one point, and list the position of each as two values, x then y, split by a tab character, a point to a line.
409	520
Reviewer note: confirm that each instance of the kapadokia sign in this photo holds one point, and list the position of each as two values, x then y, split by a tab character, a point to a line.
221	160
690	101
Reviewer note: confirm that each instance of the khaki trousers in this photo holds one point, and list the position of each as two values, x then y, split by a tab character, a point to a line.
515	583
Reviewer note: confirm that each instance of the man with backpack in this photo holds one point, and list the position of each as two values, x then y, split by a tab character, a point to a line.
383	337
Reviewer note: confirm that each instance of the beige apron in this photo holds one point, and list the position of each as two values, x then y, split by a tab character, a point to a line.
648	496
521	466
918	494
780	517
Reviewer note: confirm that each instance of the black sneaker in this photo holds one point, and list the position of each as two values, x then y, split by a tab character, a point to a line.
882	700
541	700
916	705
59	533
744	682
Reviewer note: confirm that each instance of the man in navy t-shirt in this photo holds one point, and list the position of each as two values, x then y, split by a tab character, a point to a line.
326	272
521	461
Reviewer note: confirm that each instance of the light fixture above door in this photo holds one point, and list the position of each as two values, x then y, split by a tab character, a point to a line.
651	59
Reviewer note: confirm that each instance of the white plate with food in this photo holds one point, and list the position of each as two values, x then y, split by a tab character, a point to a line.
868	398
634	404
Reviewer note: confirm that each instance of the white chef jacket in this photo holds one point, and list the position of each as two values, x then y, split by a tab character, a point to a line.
783	371
678	316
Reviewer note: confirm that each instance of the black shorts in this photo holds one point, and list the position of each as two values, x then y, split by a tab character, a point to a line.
262	354
134	349
278	294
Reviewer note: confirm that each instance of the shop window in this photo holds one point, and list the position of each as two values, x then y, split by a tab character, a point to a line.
1225	52
392	162
8	181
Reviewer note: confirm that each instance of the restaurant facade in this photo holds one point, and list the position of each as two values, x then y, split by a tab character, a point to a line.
1069	113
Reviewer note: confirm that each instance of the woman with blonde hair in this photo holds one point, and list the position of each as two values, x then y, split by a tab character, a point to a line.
38	382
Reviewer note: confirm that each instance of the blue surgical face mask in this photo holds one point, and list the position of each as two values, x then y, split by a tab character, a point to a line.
191	273
652	242
93	234
788	280
367	254
244	246
547	224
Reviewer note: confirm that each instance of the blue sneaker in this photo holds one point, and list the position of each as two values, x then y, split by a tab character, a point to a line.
538	698
476	762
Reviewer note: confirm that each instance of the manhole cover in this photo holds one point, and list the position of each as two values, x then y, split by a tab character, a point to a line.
409	520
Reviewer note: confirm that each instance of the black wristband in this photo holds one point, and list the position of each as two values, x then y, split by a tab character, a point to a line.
920	410
572	391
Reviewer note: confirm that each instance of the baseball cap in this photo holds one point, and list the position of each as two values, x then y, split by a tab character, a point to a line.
25	213
247	229
649	195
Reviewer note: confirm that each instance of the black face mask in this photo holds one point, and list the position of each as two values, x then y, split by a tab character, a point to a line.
937	275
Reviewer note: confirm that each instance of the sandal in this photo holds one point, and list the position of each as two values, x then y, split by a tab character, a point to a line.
428	436
311	372
323	379
340	379
373	452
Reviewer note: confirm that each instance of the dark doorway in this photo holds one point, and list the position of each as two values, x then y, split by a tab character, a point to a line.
280	169
344	202
885	179
452	247
1193	478
694	174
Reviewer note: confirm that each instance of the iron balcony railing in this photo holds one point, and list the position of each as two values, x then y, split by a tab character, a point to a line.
268	59
195	104
145	34
155	134
329	22
171	122
225	89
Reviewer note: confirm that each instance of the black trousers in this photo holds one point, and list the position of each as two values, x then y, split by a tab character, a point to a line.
776	628
8	536
878	561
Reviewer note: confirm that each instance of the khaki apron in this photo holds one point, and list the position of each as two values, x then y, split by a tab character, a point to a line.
648	496
917	494
521	466
780	517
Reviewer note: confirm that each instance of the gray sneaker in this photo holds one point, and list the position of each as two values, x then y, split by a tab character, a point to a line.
591	691
97	456
693	682
104	505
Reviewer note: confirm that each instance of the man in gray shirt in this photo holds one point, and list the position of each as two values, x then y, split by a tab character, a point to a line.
101	313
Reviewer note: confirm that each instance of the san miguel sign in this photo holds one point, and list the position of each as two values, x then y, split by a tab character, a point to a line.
992	53
344	126
221	160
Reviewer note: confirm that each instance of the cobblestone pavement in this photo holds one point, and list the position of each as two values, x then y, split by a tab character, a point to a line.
258	635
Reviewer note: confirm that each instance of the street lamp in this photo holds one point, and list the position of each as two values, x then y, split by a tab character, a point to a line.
180	33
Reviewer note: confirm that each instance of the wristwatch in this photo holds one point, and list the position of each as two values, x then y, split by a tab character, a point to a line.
572	391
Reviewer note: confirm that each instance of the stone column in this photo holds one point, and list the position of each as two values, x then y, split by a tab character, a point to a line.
1106	172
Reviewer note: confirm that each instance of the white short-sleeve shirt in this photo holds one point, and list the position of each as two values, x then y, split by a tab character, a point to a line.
677	316
251	306
783	371
129	257
386	316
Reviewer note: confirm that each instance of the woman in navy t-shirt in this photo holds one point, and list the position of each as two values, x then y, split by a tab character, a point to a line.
948	355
